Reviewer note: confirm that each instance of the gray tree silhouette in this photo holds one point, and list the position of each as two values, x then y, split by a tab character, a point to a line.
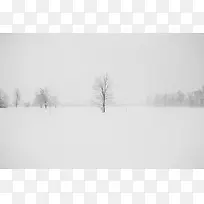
3	99
17	97
42	98
102	92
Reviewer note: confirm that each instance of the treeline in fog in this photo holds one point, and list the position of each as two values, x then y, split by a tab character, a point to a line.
42	98
194	98
103	97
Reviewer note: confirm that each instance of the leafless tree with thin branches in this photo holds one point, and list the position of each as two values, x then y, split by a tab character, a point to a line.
17	97
102	92
43	97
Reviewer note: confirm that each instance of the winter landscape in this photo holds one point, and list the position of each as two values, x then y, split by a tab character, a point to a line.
105	101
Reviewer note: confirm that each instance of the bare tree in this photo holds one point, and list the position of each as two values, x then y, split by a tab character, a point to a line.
103	93
54	101
17	97
43	98
180	97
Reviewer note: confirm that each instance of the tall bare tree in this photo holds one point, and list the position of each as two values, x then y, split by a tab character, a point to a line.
17	97
103	93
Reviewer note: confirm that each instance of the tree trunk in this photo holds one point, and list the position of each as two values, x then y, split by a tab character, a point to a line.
103	108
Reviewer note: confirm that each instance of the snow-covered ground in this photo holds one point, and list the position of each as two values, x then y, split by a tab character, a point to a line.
83	137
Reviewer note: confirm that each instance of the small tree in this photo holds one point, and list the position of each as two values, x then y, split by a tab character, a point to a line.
103	94
180	97
42	98
54	101
3	99
17	97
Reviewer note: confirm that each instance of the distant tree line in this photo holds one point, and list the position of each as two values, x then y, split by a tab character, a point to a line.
42	99
103	97
194	98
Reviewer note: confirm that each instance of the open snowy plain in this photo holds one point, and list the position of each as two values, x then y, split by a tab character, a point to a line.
83	137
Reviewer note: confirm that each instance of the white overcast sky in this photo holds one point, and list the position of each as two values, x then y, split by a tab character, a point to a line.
138	64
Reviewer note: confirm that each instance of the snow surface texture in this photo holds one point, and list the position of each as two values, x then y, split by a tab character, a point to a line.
83	137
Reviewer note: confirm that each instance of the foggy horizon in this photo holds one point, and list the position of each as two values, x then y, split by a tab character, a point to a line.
139	65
